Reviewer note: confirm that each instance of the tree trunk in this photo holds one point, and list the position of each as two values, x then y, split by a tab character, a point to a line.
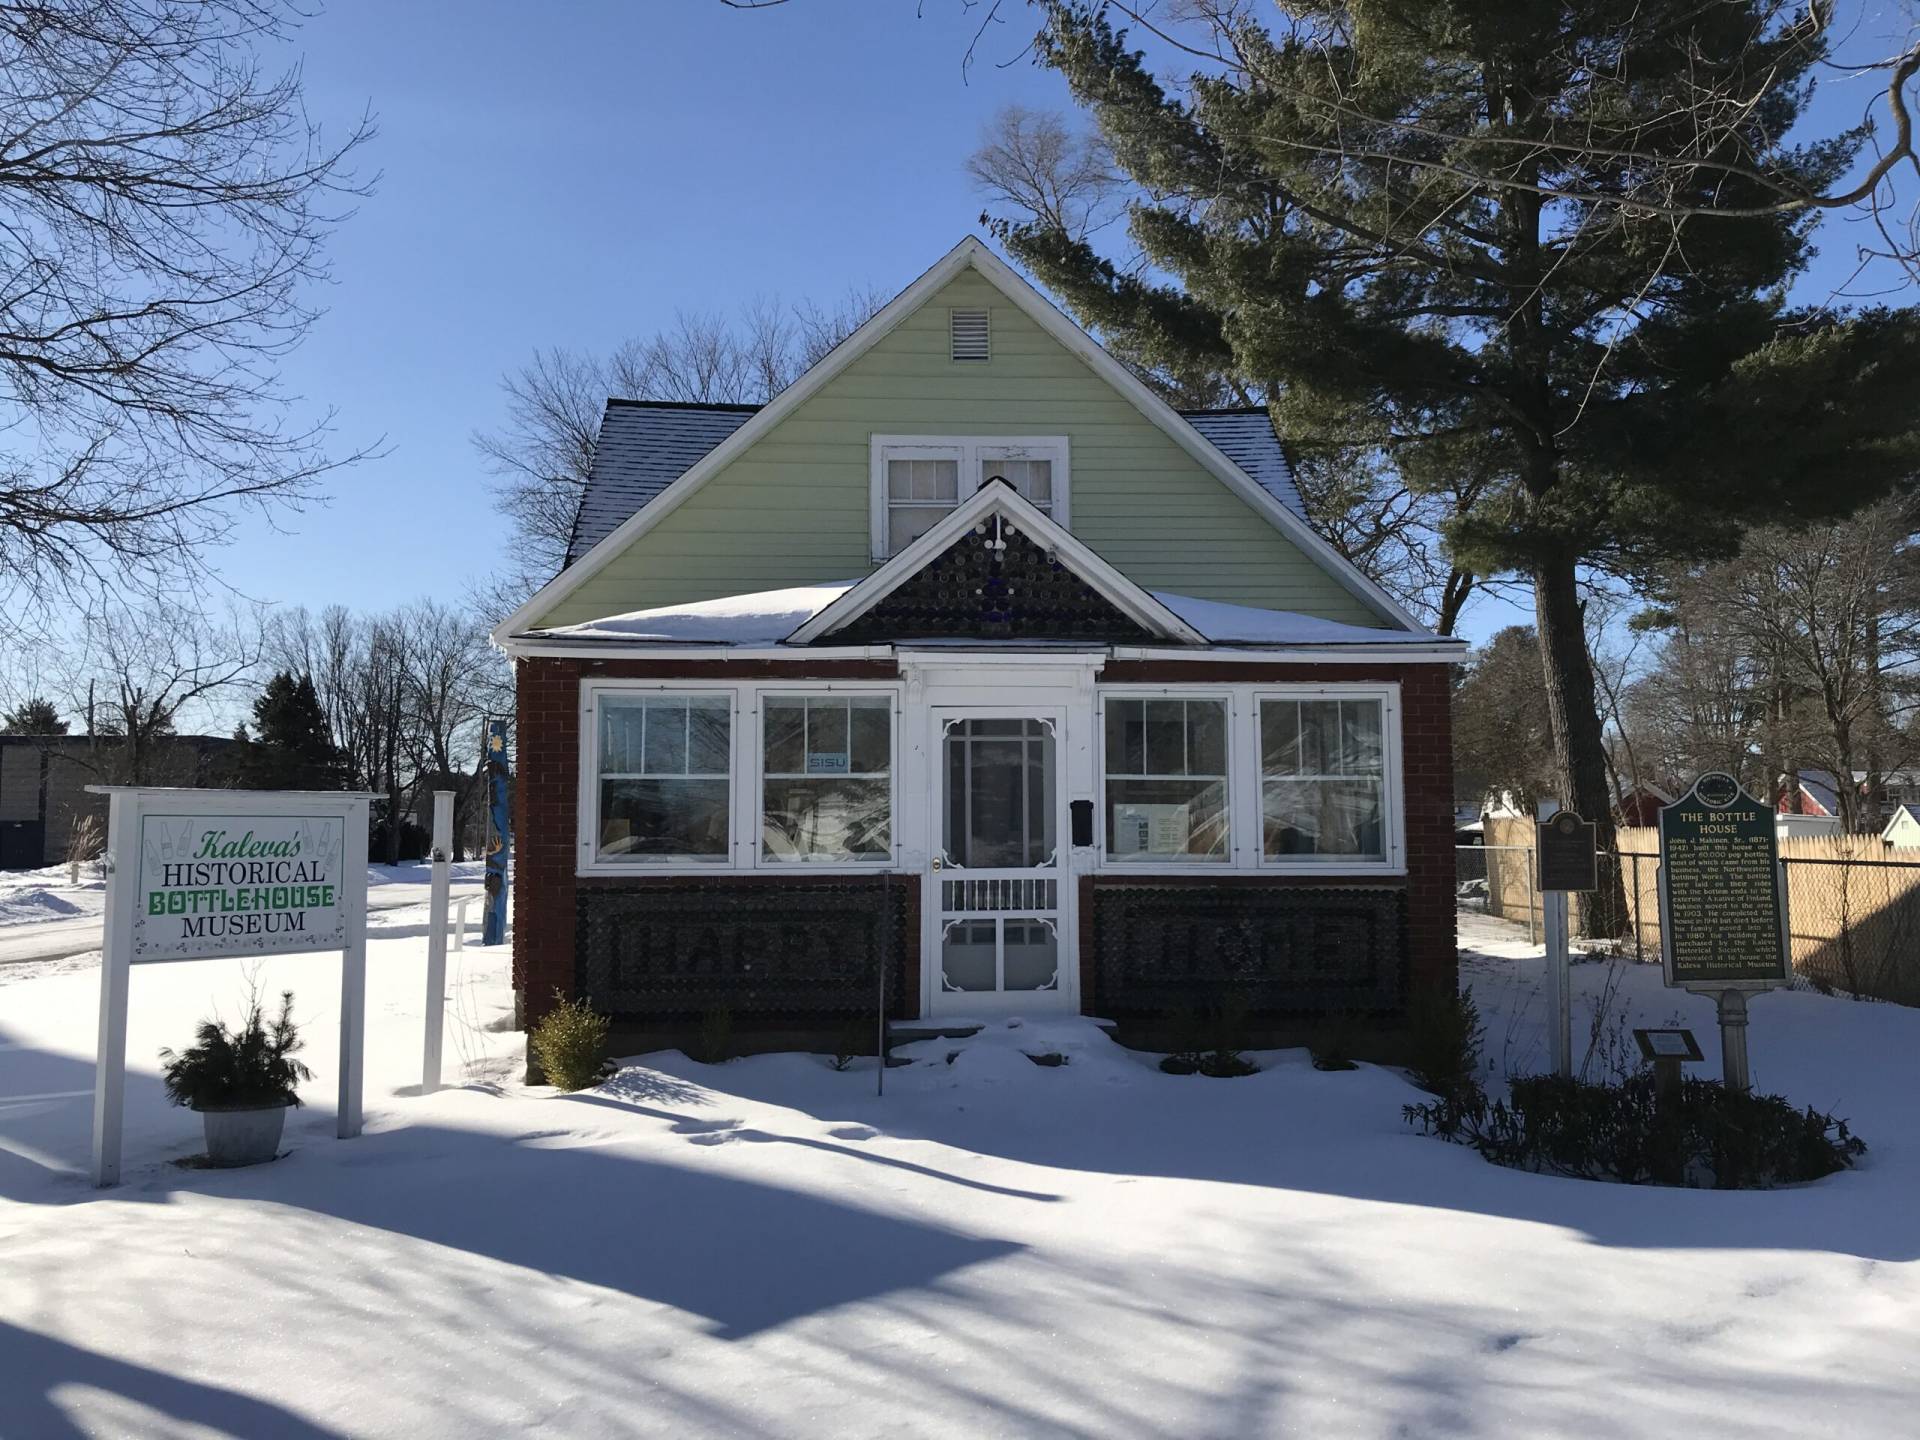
1453	599
1580	756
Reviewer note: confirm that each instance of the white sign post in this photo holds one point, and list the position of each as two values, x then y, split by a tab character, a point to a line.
437	940
207	874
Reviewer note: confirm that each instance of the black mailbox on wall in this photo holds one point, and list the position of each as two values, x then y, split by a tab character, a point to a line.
1082	822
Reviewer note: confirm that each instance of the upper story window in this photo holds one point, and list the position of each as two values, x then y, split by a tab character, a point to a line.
918	478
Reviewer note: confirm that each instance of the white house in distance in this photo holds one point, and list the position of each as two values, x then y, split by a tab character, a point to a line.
1903	829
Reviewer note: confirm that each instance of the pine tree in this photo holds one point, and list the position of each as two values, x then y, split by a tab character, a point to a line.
37	716
1542	244
293	750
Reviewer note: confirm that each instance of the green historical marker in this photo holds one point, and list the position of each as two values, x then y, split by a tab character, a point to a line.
1722	910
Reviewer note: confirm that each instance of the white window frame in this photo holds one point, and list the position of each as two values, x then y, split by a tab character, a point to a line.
744	777
774	690
974	454
1244	814
591	862
1228	861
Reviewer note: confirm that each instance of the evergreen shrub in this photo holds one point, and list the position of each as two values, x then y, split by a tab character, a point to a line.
570	1044
1707	1136
250	1067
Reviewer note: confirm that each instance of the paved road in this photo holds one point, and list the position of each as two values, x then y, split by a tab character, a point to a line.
58	939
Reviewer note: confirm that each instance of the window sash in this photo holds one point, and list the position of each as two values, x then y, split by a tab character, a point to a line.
1344	749
1188	810
834	750
975	460
654	757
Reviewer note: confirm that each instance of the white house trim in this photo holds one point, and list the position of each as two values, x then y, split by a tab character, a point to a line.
1109	583
973	454
970	252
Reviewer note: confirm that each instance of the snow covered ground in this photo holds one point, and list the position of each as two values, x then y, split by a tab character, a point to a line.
993	1248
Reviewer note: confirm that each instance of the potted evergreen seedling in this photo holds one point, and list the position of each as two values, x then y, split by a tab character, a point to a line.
241	1081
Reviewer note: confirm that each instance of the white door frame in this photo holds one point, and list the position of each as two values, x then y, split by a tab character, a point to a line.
1065	996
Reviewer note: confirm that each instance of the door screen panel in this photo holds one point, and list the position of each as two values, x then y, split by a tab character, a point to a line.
998	885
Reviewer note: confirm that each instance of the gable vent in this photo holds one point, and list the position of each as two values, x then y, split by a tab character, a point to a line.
970	334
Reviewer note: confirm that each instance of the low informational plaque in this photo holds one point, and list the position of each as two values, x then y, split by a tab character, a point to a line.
1567	853
1721	912
1668	1044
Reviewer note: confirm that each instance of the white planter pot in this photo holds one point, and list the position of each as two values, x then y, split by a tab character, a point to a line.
243	1137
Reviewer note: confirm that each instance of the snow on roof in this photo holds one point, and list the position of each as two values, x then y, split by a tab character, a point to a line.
645	445
768	617
1225	624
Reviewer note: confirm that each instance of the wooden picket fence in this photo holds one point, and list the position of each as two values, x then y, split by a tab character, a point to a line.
1853	904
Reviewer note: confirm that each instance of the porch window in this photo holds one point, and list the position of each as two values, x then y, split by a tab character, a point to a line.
1322	779
664	777
1167	780
827	778
919	479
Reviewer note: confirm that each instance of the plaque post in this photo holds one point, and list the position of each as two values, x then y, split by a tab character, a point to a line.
1733	1039
1553	909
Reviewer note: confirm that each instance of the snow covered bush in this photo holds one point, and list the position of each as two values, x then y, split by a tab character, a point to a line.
1706	1137
246	1068
570	1044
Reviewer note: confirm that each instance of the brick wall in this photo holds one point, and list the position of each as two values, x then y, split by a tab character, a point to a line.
547	772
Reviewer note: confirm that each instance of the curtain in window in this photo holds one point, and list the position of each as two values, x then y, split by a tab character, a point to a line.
1322	779
826	780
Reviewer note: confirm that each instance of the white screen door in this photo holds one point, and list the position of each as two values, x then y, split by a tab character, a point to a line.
998	878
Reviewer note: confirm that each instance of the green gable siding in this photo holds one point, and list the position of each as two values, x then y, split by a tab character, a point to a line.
794	509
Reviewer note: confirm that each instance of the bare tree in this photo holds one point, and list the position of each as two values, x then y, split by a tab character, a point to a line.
144	671
166	202
543	454
1803	652
1034	161
451	674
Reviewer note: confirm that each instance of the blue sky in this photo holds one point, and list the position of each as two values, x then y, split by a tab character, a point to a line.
572	175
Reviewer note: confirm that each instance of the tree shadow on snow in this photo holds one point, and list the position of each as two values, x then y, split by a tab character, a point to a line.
35	1366
1296	1128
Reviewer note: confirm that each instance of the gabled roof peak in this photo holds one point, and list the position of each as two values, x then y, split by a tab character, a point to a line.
970	252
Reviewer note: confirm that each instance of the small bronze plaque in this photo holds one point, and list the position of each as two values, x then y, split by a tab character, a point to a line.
1568	860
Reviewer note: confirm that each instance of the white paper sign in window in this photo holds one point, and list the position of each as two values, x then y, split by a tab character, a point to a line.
1167	780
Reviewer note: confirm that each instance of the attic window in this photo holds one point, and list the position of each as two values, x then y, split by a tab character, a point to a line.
970	334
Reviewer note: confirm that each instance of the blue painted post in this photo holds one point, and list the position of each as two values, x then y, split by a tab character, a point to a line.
499	834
